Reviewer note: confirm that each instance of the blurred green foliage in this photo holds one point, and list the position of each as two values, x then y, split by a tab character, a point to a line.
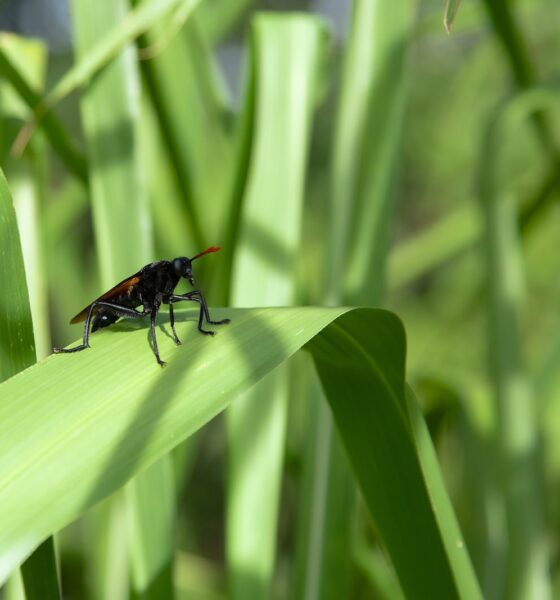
405	167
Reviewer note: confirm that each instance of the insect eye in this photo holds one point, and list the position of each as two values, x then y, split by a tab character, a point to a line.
177	265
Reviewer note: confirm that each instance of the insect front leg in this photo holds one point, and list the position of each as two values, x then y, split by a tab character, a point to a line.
197	296
121	311
172	321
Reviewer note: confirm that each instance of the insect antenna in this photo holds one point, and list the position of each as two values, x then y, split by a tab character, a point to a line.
207	251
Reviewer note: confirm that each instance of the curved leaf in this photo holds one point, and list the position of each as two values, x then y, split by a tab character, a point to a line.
74	428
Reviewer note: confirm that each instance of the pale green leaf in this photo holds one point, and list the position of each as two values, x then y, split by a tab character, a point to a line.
77	427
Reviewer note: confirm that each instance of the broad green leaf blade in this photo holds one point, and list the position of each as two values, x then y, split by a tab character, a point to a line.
286	55
79	426
363	378
119	385
17	346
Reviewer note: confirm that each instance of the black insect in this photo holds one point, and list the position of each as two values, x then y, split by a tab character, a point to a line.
152	286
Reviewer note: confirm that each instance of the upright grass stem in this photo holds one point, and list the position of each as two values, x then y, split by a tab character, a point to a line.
517	433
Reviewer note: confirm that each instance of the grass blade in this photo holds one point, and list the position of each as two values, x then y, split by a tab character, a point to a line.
367	132
28	178
219	17
451	9
152	512
116	426
55	132
108	45
269	235
518	428
443	511
122	226
378	143
17	346
196	141
372	422
120	404
120	209
17	351
434	246
524	73
39	573
108	538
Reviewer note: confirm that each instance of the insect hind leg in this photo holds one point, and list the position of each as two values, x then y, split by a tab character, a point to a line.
114	311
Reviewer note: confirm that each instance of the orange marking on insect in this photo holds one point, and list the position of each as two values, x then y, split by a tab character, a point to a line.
124	287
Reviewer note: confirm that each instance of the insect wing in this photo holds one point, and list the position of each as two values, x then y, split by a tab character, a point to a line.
124	287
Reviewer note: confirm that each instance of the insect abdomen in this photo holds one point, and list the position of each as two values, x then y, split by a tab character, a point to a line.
103	319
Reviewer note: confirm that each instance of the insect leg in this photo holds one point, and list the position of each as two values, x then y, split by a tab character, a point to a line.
121	311
172	321
197	296
194	298
153	315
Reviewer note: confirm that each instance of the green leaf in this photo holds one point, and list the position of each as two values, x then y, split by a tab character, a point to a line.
55	132
517	433
28	183
17	346
354	369
364	157
219	17
524	73
286	53
123	232
451	9
110	44
152	514
39	573
120	207
365	149
196	142
434	246
77	427
17	351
